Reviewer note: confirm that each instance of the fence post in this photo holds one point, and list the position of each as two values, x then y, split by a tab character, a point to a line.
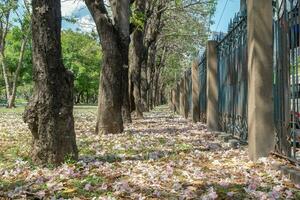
212	87
260	57
195	92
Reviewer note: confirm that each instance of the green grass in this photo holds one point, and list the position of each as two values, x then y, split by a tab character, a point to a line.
18	110
77	109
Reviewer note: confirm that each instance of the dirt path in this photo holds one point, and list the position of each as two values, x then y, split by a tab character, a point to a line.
160	157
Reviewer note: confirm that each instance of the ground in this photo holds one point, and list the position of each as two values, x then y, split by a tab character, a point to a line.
160	157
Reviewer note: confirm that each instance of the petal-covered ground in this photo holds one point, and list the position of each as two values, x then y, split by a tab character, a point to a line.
160	157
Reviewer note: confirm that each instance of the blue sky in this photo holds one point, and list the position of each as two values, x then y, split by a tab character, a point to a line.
233	6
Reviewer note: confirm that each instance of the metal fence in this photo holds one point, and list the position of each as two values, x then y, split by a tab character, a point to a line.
232	77
286	78
203	86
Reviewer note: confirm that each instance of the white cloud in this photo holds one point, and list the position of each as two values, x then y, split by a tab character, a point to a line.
86	24
69	7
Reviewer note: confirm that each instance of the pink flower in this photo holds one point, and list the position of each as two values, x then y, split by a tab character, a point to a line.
87	187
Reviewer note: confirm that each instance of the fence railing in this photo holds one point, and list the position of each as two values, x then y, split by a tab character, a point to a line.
232	77
286	78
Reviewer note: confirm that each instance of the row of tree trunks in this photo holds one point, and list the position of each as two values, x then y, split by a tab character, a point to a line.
49	113
85	97
142	56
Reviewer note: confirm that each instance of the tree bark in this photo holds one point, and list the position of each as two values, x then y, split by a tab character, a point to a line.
120	10
144	87
114	38
136	58
126	111
49	113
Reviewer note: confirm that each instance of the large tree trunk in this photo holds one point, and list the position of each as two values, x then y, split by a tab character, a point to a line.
137	56
120	9
49	113
113	40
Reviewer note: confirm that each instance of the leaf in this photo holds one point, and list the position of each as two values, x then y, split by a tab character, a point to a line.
69	190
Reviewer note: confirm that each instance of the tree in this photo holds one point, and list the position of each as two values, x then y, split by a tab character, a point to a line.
181	28
8	8
82	55
18	59
49	113
137	54
114	37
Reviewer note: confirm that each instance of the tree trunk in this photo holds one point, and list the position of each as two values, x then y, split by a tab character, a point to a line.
121	15
5	76
136	58
126	112
150	73
87	97
49	113
131	97
144	87
113	40
3	33
78	97
12	96
156	94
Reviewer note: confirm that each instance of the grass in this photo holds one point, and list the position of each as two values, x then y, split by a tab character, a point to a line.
17	110
77	109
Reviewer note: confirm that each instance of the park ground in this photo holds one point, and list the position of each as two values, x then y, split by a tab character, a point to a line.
162	156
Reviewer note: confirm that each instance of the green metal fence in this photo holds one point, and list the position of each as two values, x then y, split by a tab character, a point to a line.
232	77
286	78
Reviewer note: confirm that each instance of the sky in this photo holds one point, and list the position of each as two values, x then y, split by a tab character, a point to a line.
78	8
232	7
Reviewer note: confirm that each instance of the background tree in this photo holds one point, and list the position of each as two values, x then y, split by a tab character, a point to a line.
184	31
170	30
114	37
82	55
49	113
137	54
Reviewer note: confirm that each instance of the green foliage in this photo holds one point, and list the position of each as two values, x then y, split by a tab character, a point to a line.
186	31
7	5
82	55
12	52
137	18
178	2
